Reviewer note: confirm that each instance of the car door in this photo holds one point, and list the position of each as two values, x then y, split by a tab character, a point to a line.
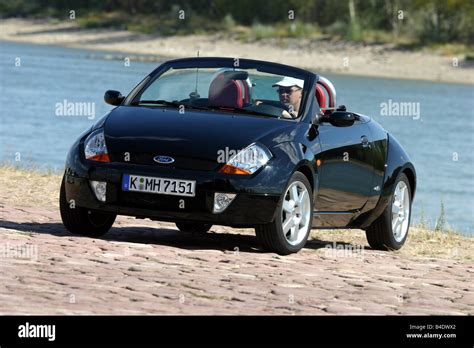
346	167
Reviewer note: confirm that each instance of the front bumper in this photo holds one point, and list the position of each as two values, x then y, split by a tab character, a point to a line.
250	207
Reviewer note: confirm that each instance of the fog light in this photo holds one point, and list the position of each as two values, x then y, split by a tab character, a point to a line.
99	188
222	201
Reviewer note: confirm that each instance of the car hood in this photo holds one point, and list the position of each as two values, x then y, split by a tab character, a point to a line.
194	139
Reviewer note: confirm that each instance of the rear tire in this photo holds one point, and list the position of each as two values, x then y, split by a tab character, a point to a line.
83	221
192	227
289	231
380	234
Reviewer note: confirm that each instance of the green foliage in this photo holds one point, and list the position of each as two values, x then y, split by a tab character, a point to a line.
337	28
441	222
300	29
444	21
355	32
423	223
228	23
260	31
423	21
103	20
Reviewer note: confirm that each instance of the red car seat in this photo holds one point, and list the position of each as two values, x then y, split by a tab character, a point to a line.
225	93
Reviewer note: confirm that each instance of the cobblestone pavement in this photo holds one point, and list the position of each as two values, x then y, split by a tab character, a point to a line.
148	267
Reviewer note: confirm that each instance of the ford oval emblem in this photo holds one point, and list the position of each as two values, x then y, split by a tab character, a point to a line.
163	159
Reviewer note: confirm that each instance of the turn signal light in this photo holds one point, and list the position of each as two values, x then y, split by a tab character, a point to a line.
103	157
228	169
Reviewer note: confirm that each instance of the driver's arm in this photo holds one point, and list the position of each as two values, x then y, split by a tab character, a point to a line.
287	114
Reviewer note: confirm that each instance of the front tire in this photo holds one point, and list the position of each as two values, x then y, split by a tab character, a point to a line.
83	221
289	231
390	230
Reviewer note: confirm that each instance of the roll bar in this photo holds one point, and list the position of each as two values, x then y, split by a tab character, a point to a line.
330	91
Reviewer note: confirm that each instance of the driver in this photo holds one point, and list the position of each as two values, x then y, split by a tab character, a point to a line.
290	91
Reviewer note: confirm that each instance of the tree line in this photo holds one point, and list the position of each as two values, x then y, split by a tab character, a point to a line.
426	21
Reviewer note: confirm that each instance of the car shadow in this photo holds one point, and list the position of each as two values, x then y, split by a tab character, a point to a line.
164	236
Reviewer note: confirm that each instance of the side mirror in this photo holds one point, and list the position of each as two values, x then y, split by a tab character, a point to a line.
113	97
339	118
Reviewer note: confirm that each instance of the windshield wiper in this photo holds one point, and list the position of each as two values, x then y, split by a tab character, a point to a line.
244	110
160	102
169	103
178	105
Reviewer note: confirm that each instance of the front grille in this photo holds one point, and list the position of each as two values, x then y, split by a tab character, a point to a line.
179	163
164	202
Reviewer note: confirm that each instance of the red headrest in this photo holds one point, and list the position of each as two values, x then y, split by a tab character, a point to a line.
321	96
226	93
245	90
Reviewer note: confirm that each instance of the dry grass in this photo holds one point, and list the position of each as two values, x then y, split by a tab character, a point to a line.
27	187
421	242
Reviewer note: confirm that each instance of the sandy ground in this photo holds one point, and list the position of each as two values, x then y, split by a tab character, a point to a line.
146	267
318	55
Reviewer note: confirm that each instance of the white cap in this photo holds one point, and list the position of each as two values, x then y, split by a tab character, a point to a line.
289	81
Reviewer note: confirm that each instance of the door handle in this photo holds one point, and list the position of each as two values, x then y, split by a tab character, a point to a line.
365	141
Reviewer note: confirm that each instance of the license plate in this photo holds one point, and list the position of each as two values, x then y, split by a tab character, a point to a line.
163	186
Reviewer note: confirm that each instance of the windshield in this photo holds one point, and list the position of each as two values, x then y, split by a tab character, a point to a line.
225	89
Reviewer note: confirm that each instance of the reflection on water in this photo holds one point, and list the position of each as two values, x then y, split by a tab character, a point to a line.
438	136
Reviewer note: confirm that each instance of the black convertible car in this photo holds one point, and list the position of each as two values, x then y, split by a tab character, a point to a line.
243	143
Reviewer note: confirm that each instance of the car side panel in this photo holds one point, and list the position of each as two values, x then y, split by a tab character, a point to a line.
346	168
397	161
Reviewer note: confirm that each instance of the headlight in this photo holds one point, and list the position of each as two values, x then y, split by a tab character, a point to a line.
247	161
95	148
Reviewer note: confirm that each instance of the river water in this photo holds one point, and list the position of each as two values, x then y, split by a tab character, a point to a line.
435	123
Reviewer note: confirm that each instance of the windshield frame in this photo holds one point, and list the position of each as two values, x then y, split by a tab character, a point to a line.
233	63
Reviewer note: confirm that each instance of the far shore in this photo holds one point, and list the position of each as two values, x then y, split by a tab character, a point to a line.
318	55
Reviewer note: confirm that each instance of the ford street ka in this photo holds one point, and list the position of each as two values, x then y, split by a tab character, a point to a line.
241	143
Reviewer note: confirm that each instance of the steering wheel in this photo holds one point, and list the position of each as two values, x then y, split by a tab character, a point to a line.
269	109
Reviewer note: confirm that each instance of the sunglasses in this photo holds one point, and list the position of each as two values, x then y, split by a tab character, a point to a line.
287	90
